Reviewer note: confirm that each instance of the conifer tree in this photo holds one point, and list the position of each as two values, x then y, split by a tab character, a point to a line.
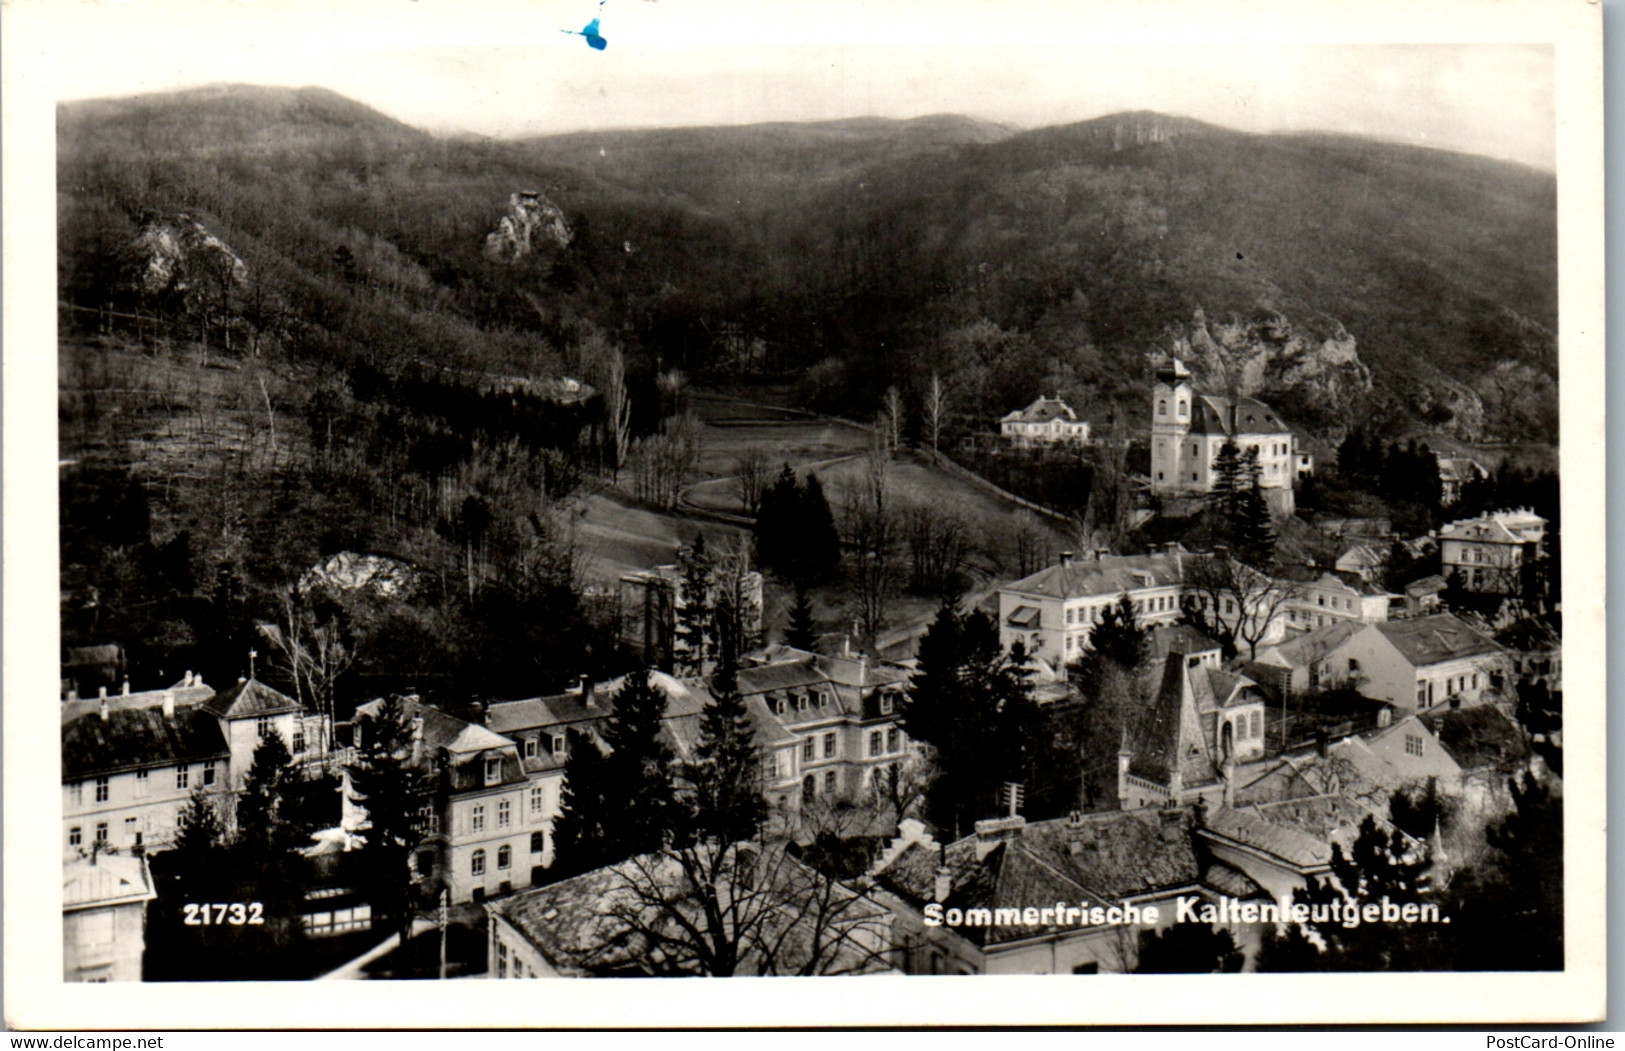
819	542
724	791
776	522
583	832
263	828
693	608
386	782
801	633
1117	636
638	792
1251	529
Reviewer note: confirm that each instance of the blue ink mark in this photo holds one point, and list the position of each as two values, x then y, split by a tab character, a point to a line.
595	40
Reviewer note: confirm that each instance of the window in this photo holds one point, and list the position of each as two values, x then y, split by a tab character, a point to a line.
892	737
1092	967
76	836
559	746
1413	744
502	959
538	843
101	790
1475	680
770	767
77	790
1162	407
829	746
537	800
143	784
132	834
885	704
101	833
1258	724
504	814
1183	409
263	725
208	772
493	771
298	740
1421	695
477	863
424	862
532	747
477	819
829	782
809	787
875	741
505	857
781	706
1354	666
803	702
183	777
1069	615
809	750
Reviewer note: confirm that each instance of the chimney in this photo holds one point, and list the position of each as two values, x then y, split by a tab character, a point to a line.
241	679
101	692
124	691
73	693
863	669
104	705
188	681
169	704
1322	740
1172	822
584	691
1455	701
1066	560
944	884
991	833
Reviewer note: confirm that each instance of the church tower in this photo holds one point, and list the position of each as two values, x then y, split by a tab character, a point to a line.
1171	399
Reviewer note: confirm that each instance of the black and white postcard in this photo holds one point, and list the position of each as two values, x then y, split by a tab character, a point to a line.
875	494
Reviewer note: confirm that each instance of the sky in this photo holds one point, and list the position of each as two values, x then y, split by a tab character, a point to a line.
511	67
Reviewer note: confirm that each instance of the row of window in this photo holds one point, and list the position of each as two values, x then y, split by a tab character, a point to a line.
135	834
556	743
476	861
102	786
504	814
1454	684
518	969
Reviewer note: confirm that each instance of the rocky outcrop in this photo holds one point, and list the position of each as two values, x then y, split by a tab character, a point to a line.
177	255
354	571
1315	378
531	221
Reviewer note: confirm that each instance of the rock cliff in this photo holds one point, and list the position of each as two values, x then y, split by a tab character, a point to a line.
531	221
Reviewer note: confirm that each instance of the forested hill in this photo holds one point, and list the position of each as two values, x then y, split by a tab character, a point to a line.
1343	278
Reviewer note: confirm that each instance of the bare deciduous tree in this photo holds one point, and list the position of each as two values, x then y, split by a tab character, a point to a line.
936	410
753	473
1242	603
893	418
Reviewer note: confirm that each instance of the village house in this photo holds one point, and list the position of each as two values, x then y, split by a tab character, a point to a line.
104	917
1419	662
1188	429
1489	553
1047	421
485	821
251	711
1010	867
650	600
1316	598
1202	725
787	917
1053	611
130	763
1424	596
1487	747
1300	664
1455	474
1366	561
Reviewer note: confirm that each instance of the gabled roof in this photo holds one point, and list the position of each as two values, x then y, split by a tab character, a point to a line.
1107	577
106	880
137	738
1435	639
1312	646
1460	469
1498	527
249	700
1169	736
1211	415
1042	411
1250	827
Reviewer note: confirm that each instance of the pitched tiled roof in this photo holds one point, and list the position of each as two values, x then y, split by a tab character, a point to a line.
1042	411
1249	827
1308	648
107	879
1106	577
135	738
1211	415
1477	738
1500	527
184	697
1435	639
1100	858
250	699
1169	735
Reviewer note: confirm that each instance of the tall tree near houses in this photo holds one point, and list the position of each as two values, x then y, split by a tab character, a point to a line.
263	829
819	541
776	522
1252	530
801	633
583	833
1229	481
693	608
1118	636
936	410
638	786
723	801
929	708
1108	677
385	781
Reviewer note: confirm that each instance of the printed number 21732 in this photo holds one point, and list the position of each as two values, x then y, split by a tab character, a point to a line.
218	914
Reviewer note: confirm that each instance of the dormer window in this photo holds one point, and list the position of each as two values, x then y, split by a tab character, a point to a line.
823	698
781	706
885	704
493	771
802	703
532	746
558	745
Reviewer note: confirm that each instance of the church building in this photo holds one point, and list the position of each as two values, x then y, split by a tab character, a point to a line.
1188	429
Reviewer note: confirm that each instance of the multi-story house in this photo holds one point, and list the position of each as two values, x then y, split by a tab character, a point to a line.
1189	428
1319	598
1053	611
1047	421
1489	553
104	917
485	821
130	764
1455	474
131	761
1419	662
